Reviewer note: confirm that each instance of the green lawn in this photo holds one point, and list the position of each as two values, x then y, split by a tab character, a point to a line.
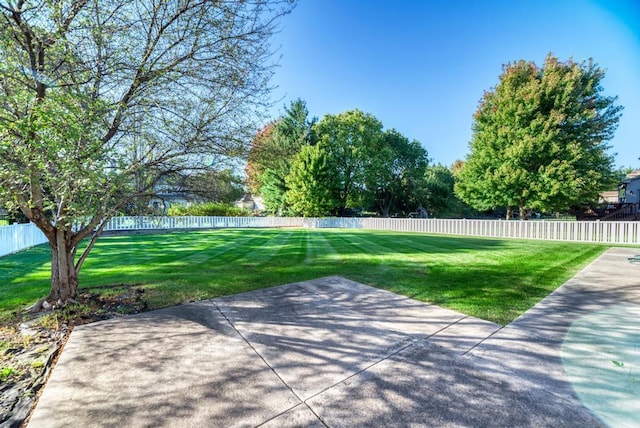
492	279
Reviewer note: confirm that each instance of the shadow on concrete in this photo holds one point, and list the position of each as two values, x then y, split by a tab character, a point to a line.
332	352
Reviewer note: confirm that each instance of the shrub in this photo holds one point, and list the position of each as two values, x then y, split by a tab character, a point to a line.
209	209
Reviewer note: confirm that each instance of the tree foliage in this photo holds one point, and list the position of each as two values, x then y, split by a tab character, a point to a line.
373	169
312	185
221	186
395	177
205	186
272	152
441	201
102	99
352	139
539	139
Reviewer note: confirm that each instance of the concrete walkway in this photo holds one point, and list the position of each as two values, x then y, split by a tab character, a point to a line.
332	352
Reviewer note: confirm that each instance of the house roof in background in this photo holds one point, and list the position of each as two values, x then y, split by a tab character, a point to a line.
633	174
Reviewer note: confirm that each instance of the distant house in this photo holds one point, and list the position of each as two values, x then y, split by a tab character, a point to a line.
251	203
610	197
162	201
630	188
167	195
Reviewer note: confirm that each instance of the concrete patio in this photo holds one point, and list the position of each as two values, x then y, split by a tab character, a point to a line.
332	352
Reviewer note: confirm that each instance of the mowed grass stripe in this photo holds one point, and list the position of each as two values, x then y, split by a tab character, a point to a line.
436	244
228	245
267	250
379	257
323	249
310	248
295	248
348	243
235	269
489	278
398	249
172	259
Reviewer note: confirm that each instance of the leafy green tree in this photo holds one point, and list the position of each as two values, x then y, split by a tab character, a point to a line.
208	186
102	99
395	176
257	159
272	152
619	174
439	183
441	201
312	185
539	139
352	140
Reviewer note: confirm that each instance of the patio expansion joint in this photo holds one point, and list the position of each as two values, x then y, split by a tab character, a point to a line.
364	369
301	401
447	326
416	340
457	322
483	340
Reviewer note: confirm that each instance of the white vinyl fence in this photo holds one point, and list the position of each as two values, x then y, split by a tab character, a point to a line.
18	237
150	223
610	232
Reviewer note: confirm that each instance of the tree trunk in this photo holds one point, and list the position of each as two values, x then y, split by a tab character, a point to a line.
387	207
385	210
508	213
64	276
63	243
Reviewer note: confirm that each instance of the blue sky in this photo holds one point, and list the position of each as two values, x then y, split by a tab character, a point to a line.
421	66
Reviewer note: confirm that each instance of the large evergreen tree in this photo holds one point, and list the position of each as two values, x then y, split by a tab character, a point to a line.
540	139
272	152
312	185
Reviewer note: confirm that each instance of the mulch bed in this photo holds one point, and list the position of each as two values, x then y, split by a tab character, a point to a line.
30	345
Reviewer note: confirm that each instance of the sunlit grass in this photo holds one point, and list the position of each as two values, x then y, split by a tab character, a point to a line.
492	279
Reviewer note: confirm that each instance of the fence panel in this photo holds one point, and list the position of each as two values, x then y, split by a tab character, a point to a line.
189	222
18	237
613	232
